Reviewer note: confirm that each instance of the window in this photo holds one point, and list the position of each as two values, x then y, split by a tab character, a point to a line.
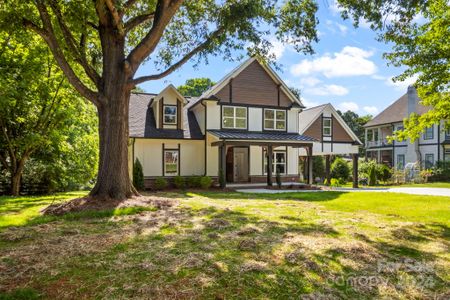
326	126
447	133
170	114
370	135
428	135
429	160
274	119
171	162
400	161
375	134
234	117
278	162
447	154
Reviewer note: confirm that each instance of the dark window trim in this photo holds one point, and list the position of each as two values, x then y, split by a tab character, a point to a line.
164	159
221	118
285	151
253	105
432	133
331	126
275	109
176	114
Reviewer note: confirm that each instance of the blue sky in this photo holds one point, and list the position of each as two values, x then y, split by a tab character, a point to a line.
347	69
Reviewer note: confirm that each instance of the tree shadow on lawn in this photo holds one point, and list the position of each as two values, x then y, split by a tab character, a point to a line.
181	252
304	196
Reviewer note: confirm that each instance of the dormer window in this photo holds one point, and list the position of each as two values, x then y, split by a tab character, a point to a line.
274	119
170	115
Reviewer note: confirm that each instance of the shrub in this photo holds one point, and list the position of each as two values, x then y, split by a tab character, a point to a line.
160	183
335	182
222	180
340	169
318	167
425	174
278	178
193	181
384	173
138	175
179	182
372	175
205	182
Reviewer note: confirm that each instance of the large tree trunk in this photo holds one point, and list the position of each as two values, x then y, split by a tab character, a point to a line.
113	180
15	184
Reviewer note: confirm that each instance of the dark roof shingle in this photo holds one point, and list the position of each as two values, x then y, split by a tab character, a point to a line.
142	122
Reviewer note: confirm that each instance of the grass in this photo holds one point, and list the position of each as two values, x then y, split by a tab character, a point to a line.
230	246
428	185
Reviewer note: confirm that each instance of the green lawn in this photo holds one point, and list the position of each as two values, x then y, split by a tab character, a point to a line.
429	185
230	246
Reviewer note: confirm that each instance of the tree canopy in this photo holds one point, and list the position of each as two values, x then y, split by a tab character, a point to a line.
195	87
419	31
356	124
41	118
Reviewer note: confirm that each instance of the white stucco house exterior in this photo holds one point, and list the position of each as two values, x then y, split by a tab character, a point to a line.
248	125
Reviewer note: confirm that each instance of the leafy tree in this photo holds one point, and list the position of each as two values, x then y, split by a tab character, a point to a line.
297	93
356	123
340	169
40	116
138	175
318	167
107	41
422	47
195	86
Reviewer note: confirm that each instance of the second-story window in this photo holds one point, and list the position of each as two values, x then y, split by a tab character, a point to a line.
428	135
170	114
447	133
274	119
234	117
326	126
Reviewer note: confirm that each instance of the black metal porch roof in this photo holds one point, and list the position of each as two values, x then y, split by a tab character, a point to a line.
257	136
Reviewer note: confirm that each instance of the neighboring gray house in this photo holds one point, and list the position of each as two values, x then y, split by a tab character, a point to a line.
432	146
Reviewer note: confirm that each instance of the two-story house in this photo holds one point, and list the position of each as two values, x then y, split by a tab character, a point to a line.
433	144
247	126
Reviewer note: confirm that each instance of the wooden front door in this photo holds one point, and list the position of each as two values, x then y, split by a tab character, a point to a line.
240	164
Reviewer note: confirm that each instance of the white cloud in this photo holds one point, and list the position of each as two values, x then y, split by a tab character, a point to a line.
344	106
309	81
371	110
378	77
401	85
336	27
277	49
350	61
309	103
335	8
327	89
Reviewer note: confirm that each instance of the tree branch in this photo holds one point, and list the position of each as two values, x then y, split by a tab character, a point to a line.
138	20
117	19
126	6
164	12
47	33
179	63
71	43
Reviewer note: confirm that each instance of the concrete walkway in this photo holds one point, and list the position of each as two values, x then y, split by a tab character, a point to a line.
405	190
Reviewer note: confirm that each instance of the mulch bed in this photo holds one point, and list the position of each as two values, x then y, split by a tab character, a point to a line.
98	204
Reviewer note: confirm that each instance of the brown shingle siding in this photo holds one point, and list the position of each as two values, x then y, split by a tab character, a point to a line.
315	130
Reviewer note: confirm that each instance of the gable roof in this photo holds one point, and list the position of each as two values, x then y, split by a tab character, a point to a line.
210	93
174	89
396	112
142	122
308	116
